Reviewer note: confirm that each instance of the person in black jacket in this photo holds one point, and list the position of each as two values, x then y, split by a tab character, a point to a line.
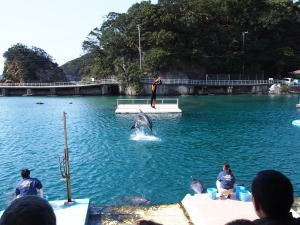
153	88
273	197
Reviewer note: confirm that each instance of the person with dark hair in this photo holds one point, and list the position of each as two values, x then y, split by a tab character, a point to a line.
153	88
28	210
28	186
241	222
146	222
273	196
225	181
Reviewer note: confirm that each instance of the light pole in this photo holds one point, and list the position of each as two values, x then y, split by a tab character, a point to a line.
243	35
140	49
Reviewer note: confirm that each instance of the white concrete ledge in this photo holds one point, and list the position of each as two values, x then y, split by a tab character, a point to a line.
74	213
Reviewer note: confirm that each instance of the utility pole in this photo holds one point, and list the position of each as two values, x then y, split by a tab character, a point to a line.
243	35
140	49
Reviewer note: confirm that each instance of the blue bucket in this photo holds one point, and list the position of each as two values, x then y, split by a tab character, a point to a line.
212	193
244	195
237	191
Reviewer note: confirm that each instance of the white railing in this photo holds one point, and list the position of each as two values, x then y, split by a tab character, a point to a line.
209	82
55	84
147	81
140	101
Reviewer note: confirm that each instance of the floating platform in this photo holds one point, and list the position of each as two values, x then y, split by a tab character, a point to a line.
135	105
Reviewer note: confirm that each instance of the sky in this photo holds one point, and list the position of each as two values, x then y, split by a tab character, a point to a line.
57	26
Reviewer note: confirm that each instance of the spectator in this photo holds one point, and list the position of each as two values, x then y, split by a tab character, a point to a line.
273	198
147	222
241	222
28	186
28	210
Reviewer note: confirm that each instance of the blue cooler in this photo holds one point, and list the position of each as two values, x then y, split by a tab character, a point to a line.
237	191
244	195
212	193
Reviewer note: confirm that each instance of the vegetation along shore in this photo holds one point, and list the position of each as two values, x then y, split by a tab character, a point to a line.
227	40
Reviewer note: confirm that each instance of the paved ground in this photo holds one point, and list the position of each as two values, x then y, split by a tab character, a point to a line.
172	214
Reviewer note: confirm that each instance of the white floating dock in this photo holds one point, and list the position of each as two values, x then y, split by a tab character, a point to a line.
135	105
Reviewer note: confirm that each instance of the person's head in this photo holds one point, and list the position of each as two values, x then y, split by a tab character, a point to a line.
226	167
28	210
240	222
147	222
25	173
272	194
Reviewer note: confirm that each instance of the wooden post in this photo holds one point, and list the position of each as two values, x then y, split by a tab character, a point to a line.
67	165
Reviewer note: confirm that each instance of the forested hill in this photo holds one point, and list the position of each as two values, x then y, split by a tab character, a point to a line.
177	38
197	37
28	65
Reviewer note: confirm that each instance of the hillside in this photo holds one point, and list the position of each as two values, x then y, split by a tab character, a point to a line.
73	69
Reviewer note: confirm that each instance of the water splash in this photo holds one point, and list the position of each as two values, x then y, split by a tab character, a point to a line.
139	134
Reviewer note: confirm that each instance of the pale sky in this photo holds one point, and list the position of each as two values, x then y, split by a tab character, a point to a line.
57	26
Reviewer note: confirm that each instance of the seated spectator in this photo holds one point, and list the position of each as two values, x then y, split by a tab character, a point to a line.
273	197
241	222
146	222
28	210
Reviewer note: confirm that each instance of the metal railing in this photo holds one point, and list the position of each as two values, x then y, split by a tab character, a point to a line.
61	84
143	101
209	82
146	81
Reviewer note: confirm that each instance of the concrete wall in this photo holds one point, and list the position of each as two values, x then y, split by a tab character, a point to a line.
204	90
61	91
116	90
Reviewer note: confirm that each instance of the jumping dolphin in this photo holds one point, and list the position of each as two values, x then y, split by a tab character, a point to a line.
197	186
142	120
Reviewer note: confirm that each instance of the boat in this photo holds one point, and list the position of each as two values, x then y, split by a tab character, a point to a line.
167	105
275	89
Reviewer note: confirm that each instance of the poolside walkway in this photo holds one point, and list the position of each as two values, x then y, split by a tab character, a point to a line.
204	211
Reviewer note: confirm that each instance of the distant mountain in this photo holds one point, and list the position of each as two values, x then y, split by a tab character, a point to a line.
73	68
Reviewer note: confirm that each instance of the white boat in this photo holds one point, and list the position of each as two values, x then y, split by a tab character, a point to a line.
275	89
170	105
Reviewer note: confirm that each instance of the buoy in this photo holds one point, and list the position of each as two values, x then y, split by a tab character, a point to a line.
296	122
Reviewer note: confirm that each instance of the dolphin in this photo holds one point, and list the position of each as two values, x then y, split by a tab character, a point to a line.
135	200
142	120
197	186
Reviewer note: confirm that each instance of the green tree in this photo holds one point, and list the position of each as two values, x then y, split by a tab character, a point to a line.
23	64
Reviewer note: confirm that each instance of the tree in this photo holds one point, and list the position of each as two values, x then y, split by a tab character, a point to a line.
25	64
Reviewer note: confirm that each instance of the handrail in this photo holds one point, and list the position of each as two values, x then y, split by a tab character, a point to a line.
208	82
147	101
147	81
103	81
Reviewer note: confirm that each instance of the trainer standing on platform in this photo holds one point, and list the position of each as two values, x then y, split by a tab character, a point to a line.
153	88
28	186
